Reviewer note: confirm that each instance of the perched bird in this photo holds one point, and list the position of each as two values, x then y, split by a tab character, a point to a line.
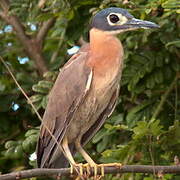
86	90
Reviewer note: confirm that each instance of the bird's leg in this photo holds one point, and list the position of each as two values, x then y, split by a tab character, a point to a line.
86	156
70	157
91	163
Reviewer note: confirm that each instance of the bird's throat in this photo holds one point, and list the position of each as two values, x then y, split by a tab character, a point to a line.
106	51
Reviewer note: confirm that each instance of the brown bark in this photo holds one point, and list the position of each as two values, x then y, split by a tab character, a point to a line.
159	170
32	46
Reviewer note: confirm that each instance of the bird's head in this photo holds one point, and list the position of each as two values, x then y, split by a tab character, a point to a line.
116	20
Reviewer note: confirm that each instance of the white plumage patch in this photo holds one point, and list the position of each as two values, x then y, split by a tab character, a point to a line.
88	84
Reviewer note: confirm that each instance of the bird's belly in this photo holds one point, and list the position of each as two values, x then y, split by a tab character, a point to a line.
89	111
81	120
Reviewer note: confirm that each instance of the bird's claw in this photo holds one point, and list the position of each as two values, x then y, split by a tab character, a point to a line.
93	166
102	166
84	170
78	168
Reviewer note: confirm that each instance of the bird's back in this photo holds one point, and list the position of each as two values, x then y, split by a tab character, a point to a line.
65	96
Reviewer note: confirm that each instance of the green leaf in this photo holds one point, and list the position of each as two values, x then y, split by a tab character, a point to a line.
40	89
158	76
36	98
171	5
100	134
140	130
44	101
51	75
45	84
101	146
150	83
29	143
32	132
174	43
155	128
136	113
2	86
10	152
10	144
44	17
18	151
108	126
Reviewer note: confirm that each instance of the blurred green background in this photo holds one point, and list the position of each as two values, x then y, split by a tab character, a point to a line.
144	128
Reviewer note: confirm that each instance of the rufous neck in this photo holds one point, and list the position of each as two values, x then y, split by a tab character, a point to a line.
106	51
101	41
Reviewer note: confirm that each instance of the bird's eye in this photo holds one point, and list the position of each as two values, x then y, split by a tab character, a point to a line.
113	18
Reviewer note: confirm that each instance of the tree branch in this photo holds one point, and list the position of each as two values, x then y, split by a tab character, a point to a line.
31	46
5	5
163	99
44	30
108	170
56	53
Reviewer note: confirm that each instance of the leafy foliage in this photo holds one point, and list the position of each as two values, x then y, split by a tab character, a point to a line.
144	129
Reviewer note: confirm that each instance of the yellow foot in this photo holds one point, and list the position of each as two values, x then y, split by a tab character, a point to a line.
84	170
117	165
87	170
93	166
101	166
79	170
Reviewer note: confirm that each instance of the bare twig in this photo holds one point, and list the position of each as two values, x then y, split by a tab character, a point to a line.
56	53
108	170
18	85
163	99
5	5
44	30
151	152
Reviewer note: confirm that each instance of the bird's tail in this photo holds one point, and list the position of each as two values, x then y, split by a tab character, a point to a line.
58	159
61	161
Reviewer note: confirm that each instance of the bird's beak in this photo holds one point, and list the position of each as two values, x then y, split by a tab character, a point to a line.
137	23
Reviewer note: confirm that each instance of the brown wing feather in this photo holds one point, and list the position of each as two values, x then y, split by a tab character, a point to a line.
68	91
103	116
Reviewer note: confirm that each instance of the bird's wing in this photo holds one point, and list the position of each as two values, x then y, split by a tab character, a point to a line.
69	90
103	116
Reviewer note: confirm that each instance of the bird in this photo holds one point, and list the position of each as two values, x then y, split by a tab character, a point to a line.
86	90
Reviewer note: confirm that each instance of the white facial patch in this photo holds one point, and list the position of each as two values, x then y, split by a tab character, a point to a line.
120	31
122	19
